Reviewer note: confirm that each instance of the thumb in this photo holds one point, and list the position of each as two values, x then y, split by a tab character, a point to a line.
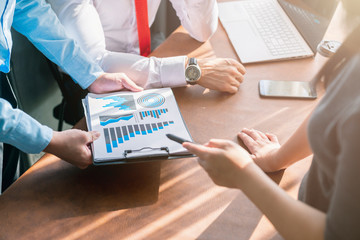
129	84
92	136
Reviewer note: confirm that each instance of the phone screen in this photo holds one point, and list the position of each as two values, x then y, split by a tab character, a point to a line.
286	89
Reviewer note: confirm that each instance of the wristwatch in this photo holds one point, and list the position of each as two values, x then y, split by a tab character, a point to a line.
192	72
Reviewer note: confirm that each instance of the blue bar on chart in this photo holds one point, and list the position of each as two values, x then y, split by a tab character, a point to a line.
125	133
107	140
119	135
160	125
137	130
113	137
131	131
152	113
143	131
148	128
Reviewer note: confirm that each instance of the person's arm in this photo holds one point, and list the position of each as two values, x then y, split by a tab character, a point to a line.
267	152
82	22
25	133
36	20
73	146
22	131
198	17
230	165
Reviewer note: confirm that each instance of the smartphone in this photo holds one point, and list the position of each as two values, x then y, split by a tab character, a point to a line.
287	89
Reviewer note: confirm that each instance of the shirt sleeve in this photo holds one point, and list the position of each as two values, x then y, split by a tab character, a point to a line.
40	25
22	131
82	22
147	72
343	216
198	17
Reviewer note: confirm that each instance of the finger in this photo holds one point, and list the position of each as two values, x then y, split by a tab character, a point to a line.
129	84
83	166
252	133
232	89
219	143
94	135
272	137
91	136
235	82
247	140
239	78
263	135
197	149
238	66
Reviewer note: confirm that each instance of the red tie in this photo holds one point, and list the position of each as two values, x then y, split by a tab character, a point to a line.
143	27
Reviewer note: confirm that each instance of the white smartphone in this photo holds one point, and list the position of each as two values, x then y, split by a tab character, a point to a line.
287	89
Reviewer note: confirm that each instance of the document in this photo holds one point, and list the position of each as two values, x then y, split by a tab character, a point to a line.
133	126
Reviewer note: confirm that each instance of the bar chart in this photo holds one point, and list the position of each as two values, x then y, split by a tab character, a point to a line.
152	113
118	135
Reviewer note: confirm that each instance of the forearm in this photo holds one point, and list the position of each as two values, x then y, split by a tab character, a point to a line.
293	219
39	24
296	147
22	131
147	72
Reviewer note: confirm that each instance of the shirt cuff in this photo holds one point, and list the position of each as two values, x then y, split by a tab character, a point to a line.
29	135
83	70
172	71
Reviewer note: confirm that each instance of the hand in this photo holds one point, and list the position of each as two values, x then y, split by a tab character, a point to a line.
222	74
111	82
263	148
73	146
223	160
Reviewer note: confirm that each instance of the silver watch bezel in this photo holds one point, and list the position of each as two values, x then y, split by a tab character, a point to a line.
192	65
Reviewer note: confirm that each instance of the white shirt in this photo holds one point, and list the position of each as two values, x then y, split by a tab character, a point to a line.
107	30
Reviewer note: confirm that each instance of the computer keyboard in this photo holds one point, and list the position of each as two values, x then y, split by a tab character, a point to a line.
273	29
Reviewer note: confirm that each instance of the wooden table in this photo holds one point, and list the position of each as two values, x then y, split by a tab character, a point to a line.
170	199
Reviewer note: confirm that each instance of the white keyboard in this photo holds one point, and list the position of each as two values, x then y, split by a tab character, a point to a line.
273	29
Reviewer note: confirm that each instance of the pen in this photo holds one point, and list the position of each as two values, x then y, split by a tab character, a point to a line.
176	138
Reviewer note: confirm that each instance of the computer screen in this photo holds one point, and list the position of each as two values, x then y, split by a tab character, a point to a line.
311	17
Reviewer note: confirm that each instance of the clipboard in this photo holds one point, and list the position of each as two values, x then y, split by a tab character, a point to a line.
133	126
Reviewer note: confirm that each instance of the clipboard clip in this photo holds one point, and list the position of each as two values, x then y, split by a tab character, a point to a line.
148	149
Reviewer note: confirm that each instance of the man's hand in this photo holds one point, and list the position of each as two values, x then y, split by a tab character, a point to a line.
73	146
112	82
222	74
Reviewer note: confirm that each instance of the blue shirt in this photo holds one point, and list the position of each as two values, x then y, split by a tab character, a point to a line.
36	20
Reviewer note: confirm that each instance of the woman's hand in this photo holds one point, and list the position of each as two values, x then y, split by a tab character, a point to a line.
263	148
224	161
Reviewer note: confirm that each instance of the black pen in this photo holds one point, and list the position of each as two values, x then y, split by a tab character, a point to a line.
176	138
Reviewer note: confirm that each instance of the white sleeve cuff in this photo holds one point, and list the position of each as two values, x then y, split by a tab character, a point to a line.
172	71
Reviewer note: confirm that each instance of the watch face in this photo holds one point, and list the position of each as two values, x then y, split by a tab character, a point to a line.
192	73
